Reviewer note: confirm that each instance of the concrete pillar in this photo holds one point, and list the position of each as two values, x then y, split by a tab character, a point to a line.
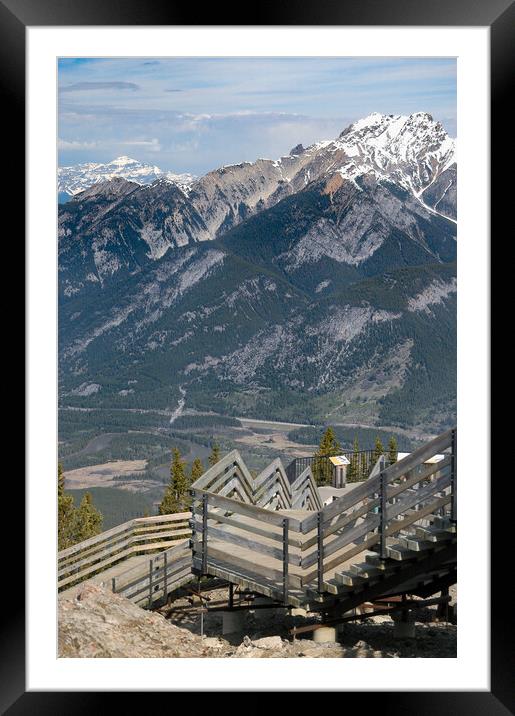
232	622
324	634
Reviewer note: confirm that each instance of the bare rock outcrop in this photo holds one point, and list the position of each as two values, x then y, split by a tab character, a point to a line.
94	623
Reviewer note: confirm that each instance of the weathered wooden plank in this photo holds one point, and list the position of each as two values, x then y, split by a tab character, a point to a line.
257	513
180	579
342	522
394	490
235	485
157	519
398	525
414	459
232	459
407	501
307	493
252	583
392	529
342	558
166	527
140	584
233	474
274	470
372	485
107	547
344	503
348	536
119	547
269	491
267	531
100	566
179	549
114	532
239	563
253	545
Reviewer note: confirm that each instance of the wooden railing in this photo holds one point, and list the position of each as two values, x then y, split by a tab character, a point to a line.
284	554
392	499
259	531
152	581
271	489
138	536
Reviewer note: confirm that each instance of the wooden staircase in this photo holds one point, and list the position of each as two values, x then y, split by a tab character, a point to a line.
392	534
395	532
418	557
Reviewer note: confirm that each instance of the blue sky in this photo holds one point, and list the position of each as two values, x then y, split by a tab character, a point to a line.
196	114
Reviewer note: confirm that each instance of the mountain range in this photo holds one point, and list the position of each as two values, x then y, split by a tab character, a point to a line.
72	180
317	287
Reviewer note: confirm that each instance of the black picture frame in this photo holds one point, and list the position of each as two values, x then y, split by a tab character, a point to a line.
499	16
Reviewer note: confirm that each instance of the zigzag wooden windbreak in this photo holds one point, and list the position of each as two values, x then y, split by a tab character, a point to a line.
270	489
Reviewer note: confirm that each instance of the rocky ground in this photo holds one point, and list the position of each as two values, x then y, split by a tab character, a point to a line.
94	623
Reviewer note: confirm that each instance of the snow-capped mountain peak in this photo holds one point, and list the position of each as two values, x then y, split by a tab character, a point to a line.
408	150
77	178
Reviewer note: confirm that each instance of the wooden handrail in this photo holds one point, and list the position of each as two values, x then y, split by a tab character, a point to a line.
267	547
327	537
107	534
136	536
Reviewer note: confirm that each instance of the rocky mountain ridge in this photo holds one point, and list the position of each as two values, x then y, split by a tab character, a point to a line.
121	225
76	178
300	289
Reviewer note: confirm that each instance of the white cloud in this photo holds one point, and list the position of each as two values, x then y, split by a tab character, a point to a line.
152	145
73	145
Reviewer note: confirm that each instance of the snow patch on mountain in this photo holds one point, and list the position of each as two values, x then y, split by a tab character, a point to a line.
409	150
74	179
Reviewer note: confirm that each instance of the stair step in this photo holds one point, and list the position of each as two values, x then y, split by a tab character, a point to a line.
365	569
433	534
375	560
348	579
333	587
400	553
414	544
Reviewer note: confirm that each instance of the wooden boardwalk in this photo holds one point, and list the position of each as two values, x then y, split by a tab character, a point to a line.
393	533
106	576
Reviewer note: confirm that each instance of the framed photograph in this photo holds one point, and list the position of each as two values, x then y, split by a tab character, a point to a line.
258	321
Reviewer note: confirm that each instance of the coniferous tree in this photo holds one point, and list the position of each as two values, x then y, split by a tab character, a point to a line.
322	468
378	451
392	450
88	520
65	513
215	454
197	469
176	497
75	524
